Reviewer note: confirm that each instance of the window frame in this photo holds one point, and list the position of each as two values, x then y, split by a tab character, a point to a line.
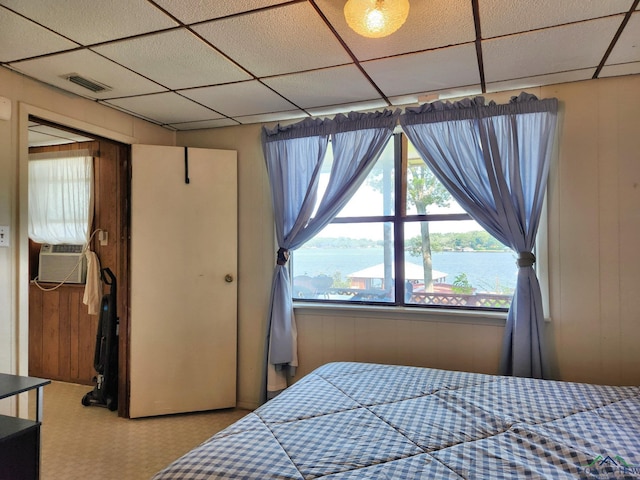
399	219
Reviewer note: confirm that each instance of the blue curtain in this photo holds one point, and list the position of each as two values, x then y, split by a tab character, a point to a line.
494	160
294	156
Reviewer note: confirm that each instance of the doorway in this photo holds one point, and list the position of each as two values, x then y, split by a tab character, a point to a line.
61	333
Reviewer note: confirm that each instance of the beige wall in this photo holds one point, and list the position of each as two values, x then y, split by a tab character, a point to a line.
31	97
594	226
594	229
256	251
595	232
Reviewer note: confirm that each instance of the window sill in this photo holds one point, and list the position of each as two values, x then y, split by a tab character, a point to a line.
402	313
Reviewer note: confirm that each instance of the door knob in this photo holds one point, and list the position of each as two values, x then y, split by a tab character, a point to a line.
228	278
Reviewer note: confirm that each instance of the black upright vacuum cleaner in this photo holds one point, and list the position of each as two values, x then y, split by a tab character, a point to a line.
105	360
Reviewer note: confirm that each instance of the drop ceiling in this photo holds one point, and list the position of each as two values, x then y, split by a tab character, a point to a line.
41	135
194	64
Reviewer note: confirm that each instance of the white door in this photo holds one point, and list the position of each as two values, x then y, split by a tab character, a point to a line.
183	264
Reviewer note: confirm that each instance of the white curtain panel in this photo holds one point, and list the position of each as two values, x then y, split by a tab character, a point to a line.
60	197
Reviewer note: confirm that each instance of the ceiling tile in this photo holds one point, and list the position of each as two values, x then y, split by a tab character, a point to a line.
627	48
37	139
279	54
239	98
166	108
20	38
431	24
94	22
193	63
314	89
36	130
220	122
550	79
91	65
426	71
538	53
190	11
502	17
622	69
44	135
276	41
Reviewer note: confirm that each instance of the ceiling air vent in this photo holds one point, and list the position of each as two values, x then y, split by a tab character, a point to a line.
86	83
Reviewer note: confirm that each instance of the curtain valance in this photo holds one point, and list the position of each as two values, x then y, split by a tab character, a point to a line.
314	127
474	108
439	111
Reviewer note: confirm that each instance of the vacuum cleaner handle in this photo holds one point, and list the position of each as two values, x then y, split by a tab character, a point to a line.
106	272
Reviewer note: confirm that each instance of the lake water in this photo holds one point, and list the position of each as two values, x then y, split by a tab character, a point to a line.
486	271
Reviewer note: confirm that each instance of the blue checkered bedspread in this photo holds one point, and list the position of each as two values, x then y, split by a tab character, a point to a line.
368	421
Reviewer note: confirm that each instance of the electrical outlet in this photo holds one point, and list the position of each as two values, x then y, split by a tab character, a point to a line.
103	237
4	235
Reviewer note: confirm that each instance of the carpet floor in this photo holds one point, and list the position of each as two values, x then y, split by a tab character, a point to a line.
80	442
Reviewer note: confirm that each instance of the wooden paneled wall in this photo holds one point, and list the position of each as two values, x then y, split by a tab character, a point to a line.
61	332
61	335
445	342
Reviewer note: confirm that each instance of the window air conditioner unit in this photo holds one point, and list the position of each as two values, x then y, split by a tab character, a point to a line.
57	262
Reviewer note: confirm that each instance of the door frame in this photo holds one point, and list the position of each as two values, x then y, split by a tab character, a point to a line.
21	299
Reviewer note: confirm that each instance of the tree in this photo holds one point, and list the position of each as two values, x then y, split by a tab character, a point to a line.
461	285
423	190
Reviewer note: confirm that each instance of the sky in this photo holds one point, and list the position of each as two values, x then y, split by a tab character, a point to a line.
368	202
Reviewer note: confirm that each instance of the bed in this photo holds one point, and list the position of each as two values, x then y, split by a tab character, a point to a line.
359	421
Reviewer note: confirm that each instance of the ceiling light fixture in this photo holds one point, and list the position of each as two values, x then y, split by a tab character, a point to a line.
376	18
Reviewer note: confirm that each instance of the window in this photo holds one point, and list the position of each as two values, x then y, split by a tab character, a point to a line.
403	240
60	188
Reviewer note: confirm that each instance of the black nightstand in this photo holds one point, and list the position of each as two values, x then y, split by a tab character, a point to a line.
20	438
